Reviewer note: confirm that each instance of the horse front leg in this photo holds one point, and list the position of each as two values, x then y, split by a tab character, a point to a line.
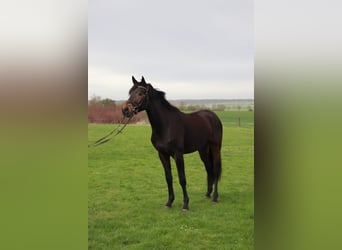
182	180
165	159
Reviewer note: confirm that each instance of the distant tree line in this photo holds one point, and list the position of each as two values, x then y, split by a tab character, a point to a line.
97	100
215	107
109	111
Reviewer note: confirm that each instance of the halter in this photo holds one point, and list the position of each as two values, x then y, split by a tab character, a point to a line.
135	108
142	87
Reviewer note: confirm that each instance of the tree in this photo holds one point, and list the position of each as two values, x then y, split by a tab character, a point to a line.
95	100
182	105
108	102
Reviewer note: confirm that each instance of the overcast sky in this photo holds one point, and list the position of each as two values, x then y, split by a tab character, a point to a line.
189	49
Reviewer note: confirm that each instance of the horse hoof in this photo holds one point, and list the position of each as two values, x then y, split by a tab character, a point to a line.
167	207
185	209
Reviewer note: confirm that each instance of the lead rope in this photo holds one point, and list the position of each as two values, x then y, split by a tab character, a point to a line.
118	129
107	137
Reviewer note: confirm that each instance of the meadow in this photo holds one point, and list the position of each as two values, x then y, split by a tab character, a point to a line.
127	192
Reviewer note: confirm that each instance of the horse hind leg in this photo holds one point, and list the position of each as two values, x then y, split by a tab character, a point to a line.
205	155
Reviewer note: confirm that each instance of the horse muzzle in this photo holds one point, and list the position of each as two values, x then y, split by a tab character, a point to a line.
128	110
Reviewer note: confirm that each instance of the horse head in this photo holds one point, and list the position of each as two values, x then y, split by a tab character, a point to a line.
138	98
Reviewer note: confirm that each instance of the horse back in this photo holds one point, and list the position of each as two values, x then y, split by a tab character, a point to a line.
202	127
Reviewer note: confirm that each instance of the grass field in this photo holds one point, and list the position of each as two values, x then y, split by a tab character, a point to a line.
127	192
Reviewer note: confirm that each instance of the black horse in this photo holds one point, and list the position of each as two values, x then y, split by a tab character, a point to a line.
175	133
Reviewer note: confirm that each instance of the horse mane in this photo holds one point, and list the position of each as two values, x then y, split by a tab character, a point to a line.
154	93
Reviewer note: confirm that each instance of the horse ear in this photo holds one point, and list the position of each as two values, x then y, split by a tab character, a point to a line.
135	82
143	80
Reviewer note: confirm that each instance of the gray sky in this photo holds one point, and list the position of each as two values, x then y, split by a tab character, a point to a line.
189	49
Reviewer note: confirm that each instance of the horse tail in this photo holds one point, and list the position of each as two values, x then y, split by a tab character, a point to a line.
217	165
215	143
216	148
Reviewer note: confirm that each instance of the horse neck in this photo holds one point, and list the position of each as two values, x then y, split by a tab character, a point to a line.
158	114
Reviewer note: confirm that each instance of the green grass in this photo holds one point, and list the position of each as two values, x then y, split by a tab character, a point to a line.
127	192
